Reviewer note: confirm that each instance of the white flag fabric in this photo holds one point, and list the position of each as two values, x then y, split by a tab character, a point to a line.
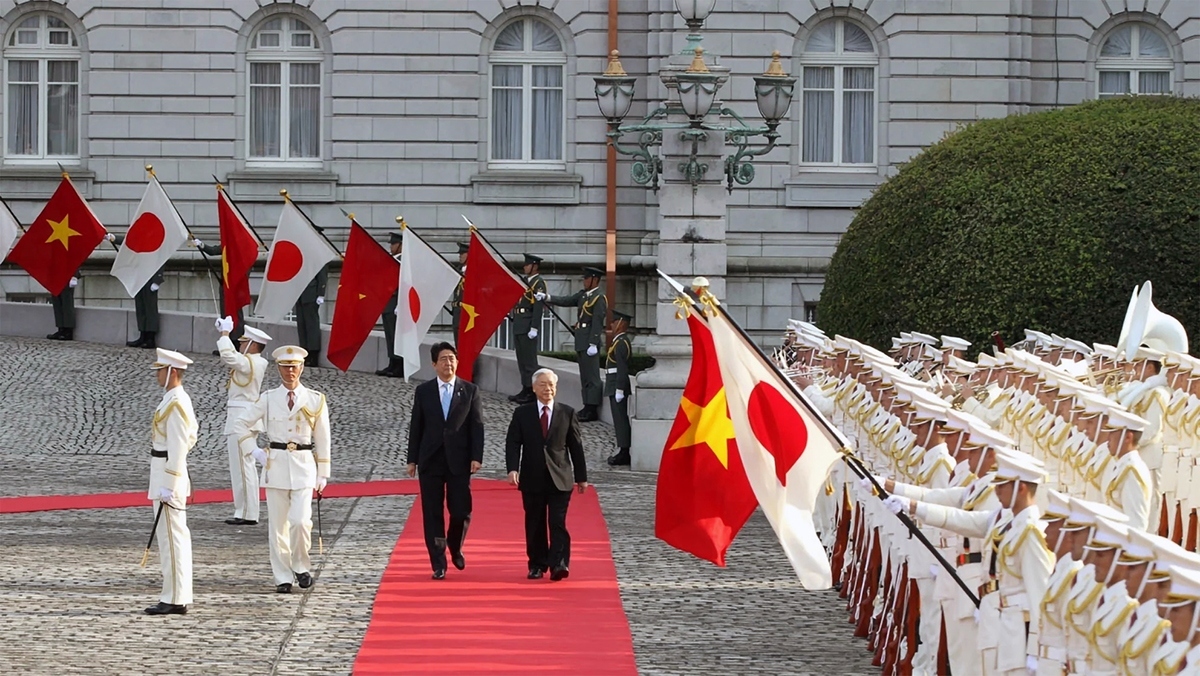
426	283
786	450
157	232
9	230
296	256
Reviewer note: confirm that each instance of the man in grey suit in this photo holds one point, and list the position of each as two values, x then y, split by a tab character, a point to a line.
544	454
592	308
526	322
308	316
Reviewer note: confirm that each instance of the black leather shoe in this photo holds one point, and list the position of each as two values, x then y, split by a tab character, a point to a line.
235	521
161	608
526	396
535	573
588	414
620	458
285	588
514	397
439	574
148	342
57	335
458	561
560	573
137	342
304	580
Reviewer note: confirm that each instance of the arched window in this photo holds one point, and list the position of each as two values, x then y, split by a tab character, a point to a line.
284	64
41	71
527	61
1134	59
838	89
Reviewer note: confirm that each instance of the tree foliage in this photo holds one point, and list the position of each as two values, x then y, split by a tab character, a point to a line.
1044	221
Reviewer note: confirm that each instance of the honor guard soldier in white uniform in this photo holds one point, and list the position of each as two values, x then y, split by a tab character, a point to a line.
173	434
246	371
295	463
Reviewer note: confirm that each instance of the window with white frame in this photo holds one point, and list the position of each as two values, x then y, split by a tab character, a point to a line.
284	63
527	112
839	65
1134	59
41	71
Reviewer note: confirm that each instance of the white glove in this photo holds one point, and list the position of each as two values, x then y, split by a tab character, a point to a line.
154	287
935	570
73	283
225	324
897	504
110	237
619	395
320	300
321	482
166	494
532	334
260	456
976	615
592	350
1031	663
866	484
396	311
541	296
197	243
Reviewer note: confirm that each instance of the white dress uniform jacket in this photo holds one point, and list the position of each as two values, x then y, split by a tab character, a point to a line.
306	423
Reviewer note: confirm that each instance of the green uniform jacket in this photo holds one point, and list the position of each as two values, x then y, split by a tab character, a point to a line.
528	312
592	309
617	377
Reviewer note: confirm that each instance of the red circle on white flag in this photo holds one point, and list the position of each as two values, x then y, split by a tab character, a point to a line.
146	234
414	304
778	426
286	261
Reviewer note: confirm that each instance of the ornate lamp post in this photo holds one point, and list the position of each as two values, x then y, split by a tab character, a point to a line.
674	149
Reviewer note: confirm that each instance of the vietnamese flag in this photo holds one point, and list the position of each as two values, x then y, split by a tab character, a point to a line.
704	497
490	290
60	239
369	278
239	251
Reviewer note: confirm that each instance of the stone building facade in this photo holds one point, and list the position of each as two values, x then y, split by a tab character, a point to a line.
436	108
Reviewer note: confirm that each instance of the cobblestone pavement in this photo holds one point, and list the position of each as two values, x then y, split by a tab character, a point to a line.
74	418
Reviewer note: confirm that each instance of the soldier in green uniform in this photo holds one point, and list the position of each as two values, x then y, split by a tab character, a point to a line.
395	367
308	317
64	311
616	385
214	250
145	306
592	307
526	322
456	299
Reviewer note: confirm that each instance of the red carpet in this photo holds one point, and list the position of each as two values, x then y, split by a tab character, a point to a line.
488	619
49	503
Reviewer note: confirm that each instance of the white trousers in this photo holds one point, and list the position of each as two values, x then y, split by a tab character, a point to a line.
174	555
290	515
244	480
930	626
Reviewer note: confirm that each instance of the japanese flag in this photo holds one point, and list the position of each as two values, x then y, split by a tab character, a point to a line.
156	233
426	283
297	255
9	230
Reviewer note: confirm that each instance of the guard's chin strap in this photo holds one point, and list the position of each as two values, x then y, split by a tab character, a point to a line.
167	380
1145	578
1195	622
1112	568
1061	533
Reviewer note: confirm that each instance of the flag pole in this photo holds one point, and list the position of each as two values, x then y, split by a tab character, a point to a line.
191	237
521	276
707	300
221	188
316	228
14	216
68	177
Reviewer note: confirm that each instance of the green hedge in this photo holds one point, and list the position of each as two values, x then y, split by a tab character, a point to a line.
637	362
1042	221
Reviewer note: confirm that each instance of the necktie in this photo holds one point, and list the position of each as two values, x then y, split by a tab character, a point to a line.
446	400
291	399
545	421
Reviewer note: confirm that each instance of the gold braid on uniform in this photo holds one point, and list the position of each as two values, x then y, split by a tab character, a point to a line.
311	416
587	305
166	413
233	375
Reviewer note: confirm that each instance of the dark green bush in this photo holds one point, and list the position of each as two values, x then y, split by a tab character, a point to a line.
1042	221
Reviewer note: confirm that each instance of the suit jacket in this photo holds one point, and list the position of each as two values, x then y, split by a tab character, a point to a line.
459	436
552	462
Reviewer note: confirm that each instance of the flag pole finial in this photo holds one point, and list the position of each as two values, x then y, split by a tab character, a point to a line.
284	194
150	170
63	170
350	215
401	223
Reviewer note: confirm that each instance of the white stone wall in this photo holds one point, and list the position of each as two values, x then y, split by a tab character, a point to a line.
405	119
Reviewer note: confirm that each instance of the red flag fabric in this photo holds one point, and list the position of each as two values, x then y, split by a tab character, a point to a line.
239	251
59	240
704	497
369	278
490	290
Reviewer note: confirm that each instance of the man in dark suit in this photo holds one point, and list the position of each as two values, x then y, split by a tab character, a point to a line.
445	447
544	454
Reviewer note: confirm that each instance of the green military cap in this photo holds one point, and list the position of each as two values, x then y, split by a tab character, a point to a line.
463	247
530	259
395	238
623	316
592	272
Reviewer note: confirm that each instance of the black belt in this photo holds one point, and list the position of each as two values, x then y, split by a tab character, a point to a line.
158	454
974	557
291	446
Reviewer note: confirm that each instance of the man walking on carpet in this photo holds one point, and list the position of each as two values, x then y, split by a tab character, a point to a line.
445	447
544	453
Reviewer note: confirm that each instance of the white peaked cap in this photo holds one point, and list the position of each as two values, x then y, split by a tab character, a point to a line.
257	335
168	358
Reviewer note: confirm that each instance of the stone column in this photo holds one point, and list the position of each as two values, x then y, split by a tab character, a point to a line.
691	227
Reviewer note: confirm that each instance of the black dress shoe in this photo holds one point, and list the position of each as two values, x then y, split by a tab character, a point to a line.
439	574
133	343
526	397
304	580
560	573
588	414
235	521
285	588
620	458
458	561
57	335
535	573
216	353
148	342
514	397
161	608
